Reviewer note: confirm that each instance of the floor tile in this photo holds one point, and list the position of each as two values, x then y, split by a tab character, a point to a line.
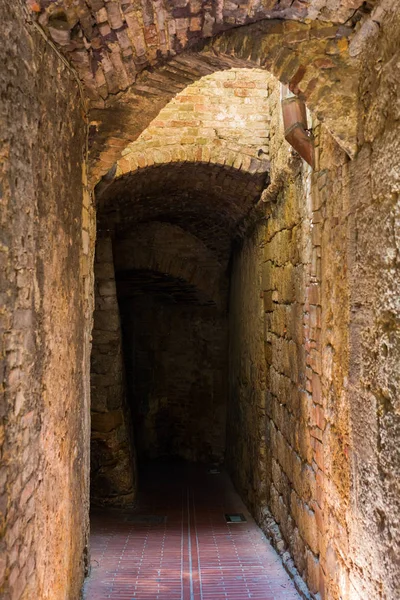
177	544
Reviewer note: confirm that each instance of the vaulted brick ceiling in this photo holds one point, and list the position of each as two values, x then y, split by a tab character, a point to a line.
313	59
111	41
207	201
139	31
167	289
133	56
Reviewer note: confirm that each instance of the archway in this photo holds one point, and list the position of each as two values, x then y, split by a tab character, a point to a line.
313	60
313	272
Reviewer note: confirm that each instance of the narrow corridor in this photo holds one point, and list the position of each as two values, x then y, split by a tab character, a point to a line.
177	544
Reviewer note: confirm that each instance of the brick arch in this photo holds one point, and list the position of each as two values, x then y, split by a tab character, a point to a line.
169	250
208	201
110	43
221	119
312	59
204	154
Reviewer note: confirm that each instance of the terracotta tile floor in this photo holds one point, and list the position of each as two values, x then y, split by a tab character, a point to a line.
177	545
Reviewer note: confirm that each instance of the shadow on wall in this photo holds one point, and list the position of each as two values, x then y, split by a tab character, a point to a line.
176	361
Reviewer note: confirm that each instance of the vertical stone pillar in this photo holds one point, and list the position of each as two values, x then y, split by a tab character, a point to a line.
113	471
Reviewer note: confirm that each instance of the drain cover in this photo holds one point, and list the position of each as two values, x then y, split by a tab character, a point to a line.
236	518
146	519
213	471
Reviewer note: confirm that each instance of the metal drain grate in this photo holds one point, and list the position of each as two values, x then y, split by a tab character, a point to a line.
236	518
146	519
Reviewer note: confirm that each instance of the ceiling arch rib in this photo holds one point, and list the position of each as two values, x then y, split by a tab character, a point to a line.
207	201
312	59
221	119
169	250
111	42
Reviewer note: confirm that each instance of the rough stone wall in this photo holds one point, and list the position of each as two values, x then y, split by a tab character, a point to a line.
329	280
373	186
113	472
177	369
46	255
355	398
245	451
270	432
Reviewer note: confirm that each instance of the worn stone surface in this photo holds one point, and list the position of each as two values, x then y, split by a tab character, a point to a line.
246	409
113	460
46	247
374	320
313	417
330	289
177	368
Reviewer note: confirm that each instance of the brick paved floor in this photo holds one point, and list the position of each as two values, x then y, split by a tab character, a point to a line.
177	545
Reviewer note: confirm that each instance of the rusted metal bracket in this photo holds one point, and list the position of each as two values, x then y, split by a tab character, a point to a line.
296	132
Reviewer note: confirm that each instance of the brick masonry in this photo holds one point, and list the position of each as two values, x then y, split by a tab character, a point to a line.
111	42
222	119
318	359
313	59
188	194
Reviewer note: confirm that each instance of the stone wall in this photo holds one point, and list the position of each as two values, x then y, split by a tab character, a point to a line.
270	410
314	312
177	369
113	473
46	261
372	187
245	450
328	257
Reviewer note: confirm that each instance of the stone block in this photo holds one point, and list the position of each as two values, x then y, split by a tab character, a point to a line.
316	389
319	455
306	522
312	572
267	276
298	550
106	320
268	301
106	422
304	480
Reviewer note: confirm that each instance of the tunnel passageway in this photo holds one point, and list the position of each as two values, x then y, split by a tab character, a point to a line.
199	255
177	545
